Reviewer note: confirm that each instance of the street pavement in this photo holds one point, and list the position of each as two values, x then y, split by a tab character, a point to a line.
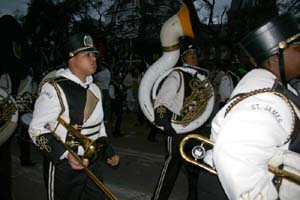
134	179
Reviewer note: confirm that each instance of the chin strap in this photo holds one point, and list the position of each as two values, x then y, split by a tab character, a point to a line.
281	67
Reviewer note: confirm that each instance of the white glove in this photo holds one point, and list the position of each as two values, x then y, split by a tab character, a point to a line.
291	162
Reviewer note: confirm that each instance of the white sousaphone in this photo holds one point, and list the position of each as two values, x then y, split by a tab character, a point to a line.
175	27
8	116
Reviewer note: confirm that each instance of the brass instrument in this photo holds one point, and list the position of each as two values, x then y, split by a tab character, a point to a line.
196	109
8	116
199	152
295	178
195	105
25	101
91	146
7	109
92	149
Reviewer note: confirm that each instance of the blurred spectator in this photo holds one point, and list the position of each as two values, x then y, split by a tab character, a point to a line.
117	95
102	78
128	83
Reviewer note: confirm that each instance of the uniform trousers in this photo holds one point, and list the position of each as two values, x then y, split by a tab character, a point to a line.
5	171
209	187
170	170
117	111
63	183
106	106
24	142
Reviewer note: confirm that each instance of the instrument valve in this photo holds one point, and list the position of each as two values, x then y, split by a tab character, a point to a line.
198	152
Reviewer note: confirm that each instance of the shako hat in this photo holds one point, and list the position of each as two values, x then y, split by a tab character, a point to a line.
188	47
79	42
269	38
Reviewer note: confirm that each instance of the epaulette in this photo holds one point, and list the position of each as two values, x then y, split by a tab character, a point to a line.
181	76
54	81
51	81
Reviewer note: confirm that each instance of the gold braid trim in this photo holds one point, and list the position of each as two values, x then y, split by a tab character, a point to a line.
53	82
243	96
171	48
161	110
42	143
195	104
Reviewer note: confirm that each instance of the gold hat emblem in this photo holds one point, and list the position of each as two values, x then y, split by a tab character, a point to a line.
88	41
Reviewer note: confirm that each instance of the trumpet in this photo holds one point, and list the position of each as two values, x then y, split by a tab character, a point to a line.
199	152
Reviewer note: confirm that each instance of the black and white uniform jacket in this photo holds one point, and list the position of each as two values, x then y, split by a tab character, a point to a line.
78	103
174	89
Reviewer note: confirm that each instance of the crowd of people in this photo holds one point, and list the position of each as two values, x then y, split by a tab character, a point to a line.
254	122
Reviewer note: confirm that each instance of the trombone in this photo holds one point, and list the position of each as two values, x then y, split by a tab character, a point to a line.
199	152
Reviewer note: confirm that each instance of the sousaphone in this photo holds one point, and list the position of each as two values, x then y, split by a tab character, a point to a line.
175	27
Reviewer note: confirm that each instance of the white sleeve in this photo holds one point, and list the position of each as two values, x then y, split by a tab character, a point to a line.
225	88
46	110
111	92
168	90
246	141
102	130
5	83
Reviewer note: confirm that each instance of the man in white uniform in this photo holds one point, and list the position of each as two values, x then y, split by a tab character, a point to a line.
73	97
259	127
168	106
226	86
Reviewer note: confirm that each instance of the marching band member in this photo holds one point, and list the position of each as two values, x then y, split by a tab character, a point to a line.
167	106
169	111
73	97
12	70
259	126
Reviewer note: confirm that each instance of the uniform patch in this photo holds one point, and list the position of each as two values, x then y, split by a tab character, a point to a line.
47	94
268	108
161	110
42	143
34	133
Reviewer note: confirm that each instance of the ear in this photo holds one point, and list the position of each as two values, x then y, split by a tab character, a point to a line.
182	59
272	59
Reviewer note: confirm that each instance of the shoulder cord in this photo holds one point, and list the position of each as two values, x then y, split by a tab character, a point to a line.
180	72
53	82
241	97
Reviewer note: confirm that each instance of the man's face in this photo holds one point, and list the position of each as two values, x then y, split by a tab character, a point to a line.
85	63
191	58
292	60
